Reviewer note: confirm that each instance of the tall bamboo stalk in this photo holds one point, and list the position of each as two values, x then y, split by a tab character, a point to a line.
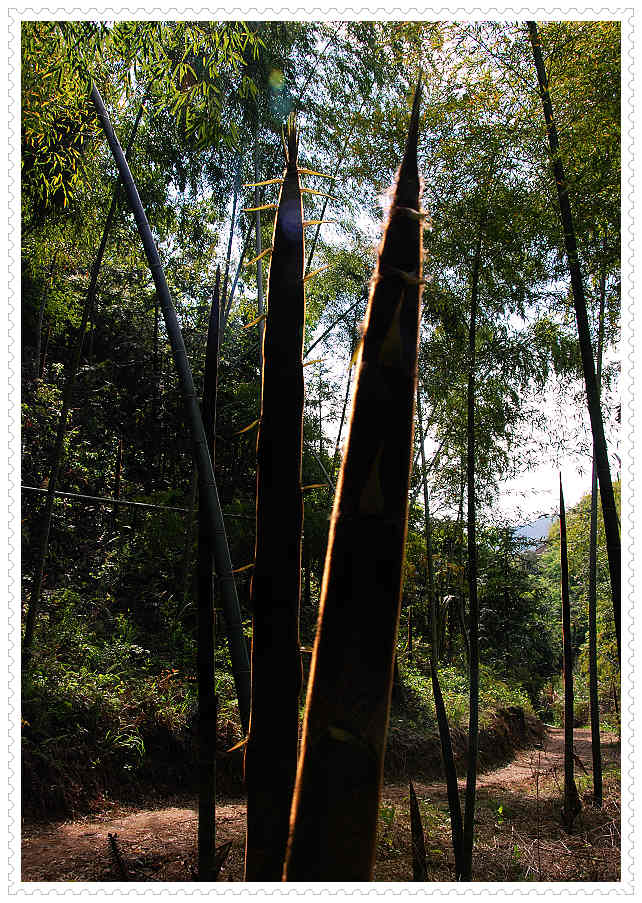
37	363
271	749
609	511
228	257
259	248
206	623
448	758
571	799
335	809
419	864
223	562
67	396
473	605
592	587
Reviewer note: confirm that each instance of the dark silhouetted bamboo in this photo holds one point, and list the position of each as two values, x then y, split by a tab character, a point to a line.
448	758
419	864
67	396
609	511
473	606
186	566
337	444
258	251
596	752
38	361
571	799
228	257
271	749
210	499
117	481
335	810
206	625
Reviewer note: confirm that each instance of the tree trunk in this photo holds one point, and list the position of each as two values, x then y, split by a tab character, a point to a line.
419	864
571	799
592	587
259	248
229	598
186	567
609	511
473	608
336	808
272	746
228	258
337	444
448	760
442	718
117	480
38	363
206	624
43	358
67	396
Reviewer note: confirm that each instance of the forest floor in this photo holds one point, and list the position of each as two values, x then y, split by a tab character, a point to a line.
519	835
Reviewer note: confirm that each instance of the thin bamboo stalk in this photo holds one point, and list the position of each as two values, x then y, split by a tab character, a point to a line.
231	608
596	752
572	803
207	715
473	606
43	548
609	511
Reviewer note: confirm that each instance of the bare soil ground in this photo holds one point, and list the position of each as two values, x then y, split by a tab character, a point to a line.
519	835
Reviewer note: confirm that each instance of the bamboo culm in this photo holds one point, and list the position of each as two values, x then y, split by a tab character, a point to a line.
448	759
223	562
473	606
572	803
609	511
336	802
36	590
596	752
272	745
206	623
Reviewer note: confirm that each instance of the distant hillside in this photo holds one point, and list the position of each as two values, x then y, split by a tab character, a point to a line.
536	530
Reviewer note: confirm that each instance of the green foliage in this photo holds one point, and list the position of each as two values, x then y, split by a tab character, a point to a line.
494	693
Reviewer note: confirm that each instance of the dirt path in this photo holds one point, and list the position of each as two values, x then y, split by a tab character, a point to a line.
158	845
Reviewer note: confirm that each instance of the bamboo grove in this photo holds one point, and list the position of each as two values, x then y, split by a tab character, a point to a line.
328	577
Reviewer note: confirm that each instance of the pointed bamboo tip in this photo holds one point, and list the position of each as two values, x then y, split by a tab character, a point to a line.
408	172
291	141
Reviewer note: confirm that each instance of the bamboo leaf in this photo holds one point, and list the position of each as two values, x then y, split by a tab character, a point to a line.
312	172
315	272
313	486
260	184
245	567
262	207
317	222
355	354
246	428
320	193
257	258
257	320
317	360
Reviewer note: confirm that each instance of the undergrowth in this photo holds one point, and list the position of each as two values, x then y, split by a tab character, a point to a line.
110	708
